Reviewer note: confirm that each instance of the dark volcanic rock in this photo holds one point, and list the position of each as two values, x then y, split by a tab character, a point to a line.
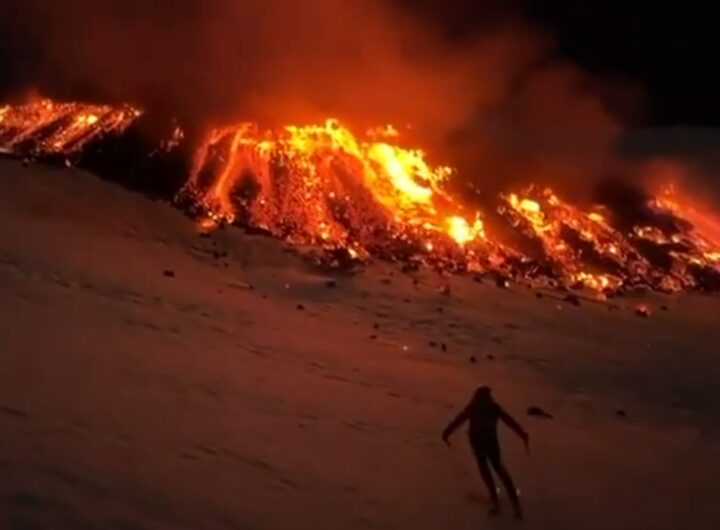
572	299
410	267
538	412
502	283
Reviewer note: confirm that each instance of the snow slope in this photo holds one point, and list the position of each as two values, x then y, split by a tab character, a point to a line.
134	400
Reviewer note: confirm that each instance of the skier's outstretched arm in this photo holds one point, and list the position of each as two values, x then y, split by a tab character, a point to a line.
457	422
514	426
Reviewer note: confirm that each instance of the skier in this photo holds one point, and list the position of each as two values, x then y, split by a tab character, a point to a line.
483	413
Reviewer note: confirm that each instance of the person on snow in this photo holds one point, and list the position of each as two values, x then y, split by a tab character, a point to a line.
483	413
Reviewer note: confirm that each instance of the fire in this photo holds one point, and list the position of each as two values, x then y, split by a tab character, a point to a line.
44	127
367	194
326	184
460	231
598	218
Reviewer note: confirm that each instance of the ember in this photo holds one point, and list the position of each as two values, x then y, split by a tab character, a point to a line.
367	195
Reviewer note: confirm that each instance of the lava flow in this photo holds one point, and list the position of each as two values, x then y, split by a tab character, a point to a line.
321	184
44	127
361	196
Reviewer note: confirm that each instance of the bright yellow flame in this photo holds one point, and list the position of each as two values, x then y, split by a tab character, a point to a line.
459	230
401	165
597	282
529	206
462	232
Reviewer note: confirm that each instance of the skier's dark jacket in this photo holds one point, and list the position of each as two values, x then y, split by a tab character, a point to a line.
483	414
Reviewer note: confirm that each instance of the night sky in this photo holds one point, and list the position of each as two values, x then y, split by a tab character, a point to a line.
670	48
666	53
667	50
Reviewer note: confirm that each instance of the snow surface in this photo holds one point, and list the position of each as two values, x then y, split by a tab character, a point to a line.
133	400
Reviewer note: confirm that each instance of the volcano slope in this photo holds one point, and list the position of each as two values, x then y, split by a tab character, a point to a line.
155	379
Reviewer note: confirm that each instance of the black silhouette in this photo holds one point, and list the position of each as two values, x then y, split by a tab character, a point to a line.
483	413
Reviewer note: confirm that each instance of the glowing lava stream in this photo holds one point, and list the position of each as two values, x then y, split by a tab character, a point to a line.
59	128
307	174
365	194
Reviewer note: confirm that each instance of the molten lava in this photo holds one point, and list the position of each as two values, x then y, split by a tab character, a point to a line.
367	195
321	184
43	127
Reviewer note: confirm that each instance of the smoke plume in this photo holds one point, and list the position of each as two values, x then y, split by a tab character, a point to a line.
495	101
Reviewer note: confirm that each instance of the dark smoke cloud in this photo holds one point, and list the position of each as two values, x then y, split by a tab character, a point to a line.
495	101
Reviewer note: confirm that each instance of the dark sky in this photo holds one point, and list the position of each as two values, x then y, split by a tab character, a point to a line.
667	51
669	48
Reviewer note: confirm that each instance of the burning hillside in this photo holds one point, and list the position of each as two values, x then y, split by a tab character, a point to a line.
44	127
358	196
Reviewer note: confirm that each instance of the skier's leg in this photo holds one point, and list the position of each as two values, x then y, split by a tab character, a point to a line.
484	468
488	479
505	478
